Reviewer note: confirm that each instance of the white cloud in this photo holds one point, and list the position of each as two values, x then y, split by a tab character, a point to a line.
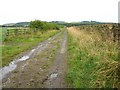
65	10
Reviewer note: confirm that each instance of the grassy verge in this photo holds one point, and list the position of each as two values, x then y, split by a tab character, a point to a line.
14	46
92	62
0	34
0	47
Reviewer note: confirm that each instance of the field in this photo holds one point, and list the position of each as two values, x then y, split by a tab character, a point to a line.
92	57
17	42
82	56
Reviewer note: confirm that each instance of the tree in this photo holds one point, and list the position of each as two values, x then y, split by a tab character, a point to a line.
37	24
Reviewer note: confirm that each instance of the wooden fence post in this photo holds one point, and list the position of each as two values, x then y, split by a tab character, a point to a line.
4	33
8	33
24	31
16	32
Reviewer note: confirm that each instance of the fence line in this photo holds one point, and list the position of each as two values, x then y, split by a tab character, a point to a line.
13	32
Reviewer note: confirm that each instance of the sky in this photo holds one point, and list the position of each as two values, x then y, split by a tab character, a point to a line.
12	11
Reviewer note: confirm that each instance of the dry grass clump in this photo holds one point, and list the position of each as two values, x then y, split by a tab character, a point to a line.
95	61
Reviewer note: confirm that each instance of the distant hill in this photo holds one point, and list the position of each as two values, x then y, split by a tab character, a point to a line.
9	24
22	24
81	23
90	22
19	24
58	22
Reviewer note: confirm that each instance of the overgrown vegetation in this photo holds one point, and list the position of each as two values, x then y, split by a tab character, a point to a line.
37	24
92	57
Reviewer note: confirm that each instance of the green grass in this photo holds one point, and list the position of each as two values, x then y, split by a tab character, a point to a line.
92	61
0	34
13	46
0	47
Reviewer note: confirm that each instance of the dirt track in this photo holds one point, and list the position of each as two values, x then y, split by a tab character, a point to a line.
46	67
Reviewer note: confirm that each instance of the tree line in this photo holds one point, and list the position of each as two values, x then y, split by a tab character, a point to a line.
42	25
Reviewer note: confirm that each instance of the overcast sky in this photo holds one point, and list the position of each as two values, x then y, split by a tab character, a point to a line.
12	11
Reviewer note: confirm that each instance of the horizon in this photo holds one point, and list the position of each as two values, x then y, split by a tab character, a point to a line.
59	21
63	10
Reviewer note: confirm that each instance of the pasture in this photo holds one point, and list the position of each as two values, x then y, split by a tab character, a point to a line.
18	40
